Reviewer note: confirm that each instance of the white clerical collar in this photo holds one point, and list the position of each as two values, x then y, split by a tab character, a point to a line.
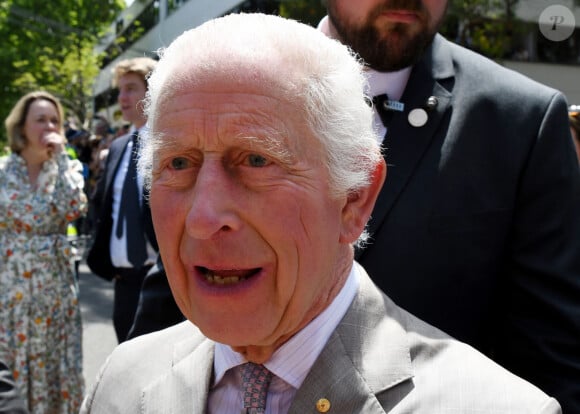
391	83
294	359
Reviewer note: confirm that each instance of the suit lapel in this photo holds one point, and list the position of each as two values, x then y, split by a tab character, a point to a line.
116	157
115	161
405	145
176	392
147	220
356	367
346	392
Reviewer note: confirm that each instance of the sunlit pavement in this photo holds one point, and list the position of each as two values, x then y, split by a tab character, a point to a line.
96	299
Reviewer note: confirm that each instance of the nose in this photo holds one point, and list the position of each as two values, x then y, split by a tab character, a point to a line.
123	95
52	125
214	202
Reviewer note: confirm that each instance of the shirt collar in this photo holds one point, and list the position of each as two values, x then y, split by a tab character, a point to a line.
293	360
391	83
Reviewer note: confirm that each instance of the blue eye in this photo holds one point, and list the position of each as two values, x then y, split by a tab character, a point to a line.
256	160
179	163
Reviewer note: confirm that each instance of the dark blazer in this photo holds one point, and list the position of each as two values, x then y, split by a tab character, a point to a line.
11	401
157	308
99	256
378	360
477	228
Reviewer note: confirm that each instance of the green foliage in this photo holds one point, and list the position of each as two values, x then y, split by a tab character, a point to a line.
486	26
49	46
306	11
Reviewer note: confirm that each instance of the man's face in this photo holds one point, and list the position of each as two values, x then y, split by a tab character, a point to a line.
132	90
388	34
250	239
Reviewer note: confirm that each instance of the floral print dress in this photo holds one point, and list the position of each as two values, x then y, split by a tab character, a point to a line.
40	320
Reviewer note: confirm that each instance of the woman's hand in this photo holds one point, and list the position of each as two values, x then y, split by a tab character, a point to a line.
54	143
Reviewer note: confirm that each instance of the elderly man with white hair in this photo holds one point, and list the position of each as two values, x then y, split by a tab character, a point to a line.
264	167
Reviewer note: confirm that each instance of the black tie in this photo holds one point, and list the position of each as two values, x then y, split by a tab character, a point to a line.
380	102
130	211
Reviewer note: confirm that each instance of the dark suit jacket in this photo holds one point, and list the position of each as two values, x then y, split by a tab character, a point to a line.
11	401
378	360
157	308
99	256
477	228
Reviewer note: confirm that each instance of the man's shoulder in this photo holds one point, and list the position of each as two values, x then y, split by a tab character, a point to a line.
120	142
467	378
477	380
440	368
132	356
135	365
482	72
162	340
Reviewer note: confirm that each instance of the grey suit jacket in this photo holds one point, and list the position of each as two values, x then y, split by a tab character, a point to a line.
379	359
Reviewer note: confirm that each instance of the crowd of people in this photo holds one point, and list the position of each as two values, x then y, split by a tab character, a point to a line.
90	146
358	217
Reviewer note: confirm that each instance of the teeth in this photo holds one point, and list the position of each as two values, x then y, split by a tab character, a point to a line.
218	280
227	276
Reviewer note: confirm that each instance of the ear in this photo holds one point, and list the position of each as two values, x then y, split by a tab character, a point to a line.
357	210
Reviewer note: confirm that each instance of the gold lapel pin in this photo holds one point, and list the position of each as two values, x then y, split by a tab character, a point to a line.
323	405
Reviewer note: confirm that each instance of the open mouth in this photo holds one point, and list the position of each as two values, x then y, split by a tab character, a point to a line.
227	276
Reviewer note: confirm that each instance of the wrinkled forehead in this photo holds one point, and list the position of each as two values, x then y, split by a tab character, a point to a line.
244	94
237	70
249	77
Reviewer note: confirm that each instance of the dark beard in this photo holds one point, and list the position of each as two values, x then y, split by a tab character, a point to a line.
399	51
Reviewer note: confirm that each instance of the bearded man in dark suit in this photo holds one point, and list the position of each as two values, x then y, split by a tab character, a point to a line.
477	228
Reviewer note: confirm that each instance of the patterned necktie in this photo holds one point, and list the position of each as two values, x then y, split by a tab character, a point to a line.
255	382
130	212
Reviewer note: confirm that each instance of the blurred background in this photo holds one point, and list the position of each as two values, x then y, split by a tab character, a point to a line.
68	47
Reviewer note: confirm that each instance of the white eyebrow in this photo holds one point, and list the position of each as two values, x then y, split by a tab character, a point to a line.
272	144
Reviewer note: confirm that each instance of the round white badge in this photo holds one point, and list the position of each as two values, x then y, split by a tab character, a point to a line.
418	117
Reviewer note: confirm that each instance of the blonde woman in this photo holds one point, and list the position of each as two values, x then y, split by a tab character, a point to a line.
41	191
